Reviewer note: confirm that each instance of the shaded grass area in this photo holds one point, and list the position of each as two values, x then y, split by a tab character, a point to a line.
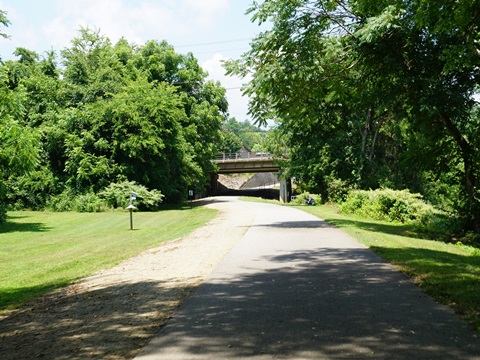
449	273
42	251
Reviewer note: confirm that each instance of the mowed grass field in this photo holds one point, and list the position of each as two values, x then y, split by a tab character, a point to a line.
41	251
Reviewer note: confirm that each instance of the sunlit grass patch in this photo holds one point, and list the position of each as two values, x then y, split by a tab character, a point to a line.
41	251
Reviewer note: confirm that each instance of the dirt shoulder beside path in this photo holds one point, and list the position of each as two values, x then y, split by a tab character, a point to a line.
114	313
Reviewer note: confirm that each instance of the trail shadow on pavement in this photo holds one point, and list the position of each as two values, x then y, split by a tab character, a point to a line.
107	323
322	304
308	224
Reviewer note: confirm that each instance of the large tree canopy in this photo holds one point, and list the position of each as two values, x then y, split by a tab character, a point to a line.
374	93
116	112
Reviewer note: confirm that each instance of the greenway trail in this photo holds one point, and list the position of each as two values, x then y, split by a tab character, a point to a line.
294	287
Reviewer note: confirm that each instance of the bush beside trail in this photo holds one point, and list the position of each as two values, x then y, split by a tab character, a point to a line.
387	204
115	195
400	206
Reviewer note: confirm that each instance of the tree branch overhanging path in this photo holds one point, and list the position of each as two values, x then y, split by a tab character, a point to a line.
323	67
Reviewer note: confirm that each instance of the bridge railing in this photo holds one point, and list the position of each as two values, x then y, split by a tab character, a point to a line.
242	156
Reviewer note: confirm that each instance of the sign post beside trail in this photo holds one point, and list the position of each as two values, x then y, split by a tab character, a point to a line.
133	196
191	196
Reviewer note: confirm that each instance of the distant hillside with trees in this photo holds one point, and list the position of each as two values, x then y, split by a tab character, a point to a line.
238	134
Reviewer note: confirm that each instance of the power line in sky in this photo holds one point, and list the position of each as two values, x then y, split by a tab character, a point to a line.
214	43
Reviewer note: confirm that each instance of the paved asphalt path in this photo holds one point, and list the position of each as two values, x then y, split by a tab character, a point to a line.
296	288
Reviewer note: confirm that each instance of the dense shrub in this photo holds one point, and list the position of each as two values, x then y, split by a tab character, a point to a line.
31	191
69	201
62	202
88	202
3	205
303	197
390	205
117	195
337	190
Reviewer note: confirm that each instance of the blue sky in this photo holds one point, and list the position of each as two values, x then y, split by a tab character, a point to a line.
213	30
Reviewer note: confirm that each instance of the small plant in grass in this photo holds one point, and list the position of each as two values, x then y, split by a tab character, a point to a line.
474	250
469	239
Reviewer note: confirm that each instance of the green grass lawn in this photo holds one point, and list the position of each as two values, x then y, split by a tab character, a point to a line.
41	251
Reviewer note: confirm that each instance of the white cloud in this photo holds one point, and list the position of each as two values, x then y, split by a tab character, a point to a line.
52	24
214	67
115	19
28	38
150	21
58	33
204	12
238	104
136	21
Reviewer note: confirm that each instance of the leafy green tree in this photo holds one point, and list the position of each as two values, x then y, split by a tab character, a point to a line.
347	79
118	112
230	143
92	69
38	79
20	143
112	113
146	136
204	102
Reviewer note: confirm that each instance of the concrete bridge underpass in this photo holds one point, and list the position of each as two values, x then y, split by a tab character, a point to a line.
250	162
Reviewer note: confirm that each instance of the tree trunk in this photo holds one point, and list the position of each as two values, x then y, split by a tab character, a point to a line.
378	125
364	132
471	178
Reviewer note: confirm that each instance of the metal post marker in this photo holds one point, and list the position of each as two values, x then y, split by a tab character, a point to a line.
191	196
130	208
